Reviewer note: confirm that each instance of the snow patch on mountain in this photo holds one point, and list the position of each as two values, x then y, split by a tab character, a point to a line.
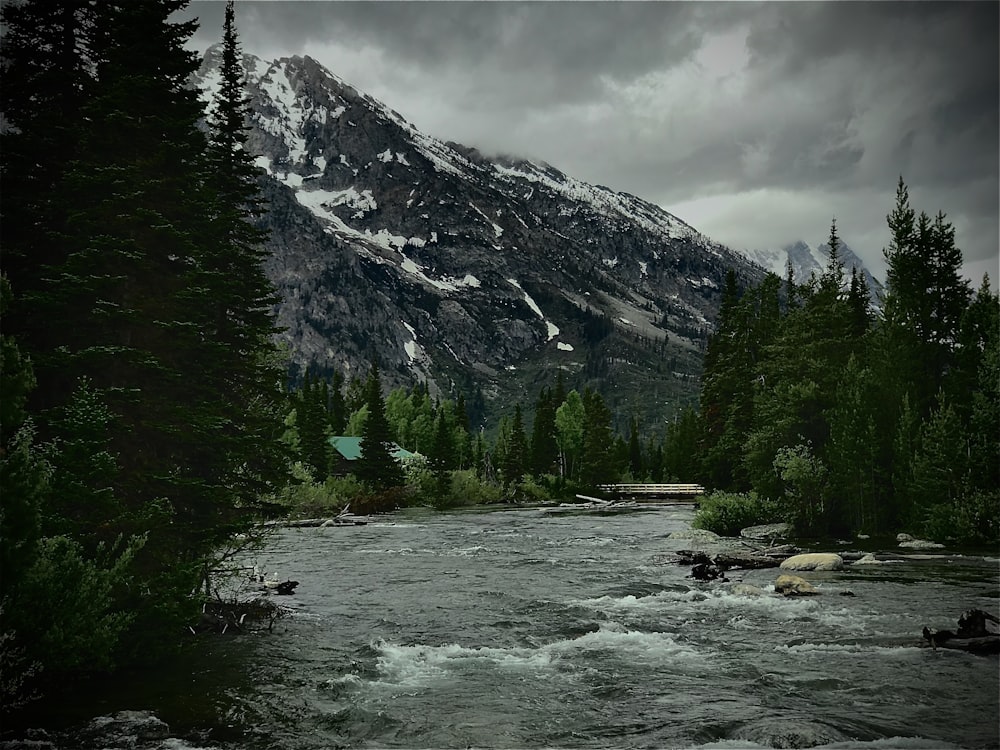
497	229
552	328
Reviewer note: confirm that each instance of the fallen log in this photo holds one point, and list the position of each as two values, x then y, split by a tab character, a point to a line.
221	617
978	632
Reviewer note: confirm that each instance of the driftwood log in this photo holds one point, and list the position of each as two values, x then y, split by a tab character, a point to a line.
236	617
978	632
707	567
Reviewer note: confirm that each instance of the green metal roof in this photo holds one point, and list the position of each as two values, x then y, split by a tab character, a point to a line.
350	448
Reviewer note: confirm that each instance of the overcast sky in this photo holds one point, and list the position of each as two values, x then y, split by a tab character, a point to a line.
757	123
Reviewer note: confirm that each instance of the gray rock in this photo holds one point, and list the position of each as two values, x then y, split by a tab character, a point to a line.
814	561
789	585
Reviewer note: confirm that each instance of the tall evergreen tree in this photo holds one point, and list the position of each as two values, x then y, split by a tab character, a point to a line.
247	365
142	284
596	461
376	465
338	407
635	463
515	457
544	450
441	450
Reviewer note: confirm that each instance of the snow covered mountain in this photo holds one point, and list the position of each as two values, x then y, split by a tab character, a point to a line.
475	274
807	260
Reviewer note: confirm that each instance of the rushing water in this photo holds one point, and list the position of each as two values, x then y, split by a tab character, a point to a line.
522	629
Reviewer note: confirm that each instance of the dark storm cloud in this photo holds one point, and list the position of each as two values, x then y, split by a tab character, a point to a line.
762	120
937	63
576	44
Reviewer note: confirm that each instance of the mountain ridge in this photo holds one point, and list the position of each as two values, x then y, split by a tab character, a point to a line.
475	274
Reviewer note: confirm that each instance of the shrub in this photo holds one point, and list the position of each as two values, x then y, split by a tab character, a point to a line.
529	490
468	489
973	519
307	497
726	513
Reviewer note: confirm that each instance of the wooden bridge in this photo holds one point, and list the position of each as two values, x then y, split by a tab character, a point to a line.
656	493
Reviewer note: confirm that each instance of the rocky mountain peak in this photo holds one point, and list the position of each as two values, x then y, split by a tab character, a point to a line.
469	272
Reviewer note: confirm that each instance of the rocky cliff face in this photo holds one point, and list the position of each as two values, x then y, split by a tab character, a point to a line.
471	273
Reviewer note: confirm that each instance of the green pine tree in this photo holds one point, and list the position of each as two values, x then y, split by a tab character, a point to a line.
376	465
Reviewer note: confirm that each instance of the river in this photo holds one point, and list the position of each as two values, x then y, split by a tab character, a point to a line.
526	629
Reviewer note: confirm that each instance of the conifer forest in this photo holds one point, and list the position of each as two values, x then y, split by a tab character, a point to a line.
149	423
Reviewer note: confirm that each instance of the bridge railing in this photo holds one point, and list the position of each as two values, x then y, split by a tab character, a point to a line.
672	490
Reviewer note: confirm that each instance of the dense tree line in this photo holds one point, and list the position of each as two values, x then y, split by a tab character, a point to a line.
566	444
833	412
142	391
859	420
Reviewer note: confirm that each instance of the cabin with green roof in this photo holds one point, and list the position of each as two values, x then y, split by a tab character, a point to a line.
347	449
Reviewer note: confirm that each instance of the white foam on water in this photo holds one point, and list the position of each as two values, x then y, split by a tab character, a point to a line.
347	679
892	743
738	611
887	743
421	665
850	648
175	743
653	649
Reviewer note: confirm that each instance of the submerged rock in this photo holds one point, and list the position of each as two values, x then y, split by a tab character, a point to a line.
814	561
789	585
696	535
787	732
746	589
868	559
920	544
125	729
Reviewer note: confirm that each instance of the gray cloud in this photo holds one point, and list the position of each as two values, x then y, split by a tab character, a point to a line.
762	119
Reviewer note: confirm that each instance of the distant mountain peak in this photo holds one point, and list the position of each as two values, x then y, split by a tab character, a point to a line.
807	260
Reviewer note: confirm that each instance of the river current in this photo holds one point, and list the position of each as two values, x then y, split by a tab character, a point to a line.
527	629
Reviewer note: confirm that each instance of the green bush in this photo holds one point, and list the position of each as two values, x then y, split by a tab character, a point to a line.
530	490
726	513
306	497
468	489
973	519
64	612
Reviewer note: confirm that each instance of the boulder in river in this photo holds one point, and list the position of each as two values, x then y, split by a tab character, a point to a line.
746	589
813	561
789	585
